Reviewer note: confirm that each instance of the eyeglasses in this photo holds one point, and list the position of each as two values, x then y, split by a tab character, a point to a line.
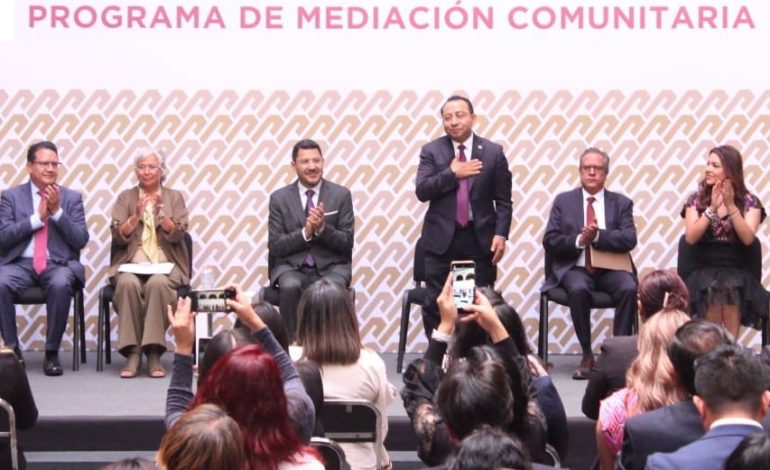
54	165
150	168
590	168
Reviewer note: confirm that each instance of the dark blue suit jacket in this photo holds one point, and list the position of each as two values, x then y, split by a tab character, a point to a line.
566	221
490	193
66	237
707	453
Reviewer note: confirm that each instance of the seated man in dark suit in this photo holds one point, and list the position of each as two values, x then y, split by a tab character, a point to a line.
310	231
732	401
591	216
42	230
671	427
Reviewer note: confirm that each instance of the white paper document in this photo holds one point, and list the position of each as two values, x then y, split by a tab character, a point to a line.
146	268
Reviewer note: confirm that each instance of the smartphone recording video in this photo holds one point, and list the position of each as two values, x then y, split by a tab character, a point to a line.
209	301
463	282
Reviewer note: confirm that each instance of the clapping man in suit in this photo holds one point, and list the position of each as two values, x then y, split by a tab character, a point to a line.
310	231
42	230
591	216
732	400
466	180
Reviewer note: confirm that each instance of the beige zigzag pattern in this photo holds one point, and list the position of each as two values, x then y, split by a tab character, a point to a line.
228	150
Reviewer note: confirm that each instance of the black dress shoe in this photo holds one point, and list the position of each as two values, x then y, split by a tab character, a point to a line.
17	353
51	365
584	369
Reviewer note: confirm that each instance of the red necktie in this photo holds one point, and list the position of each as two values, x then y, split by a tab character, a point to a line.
40	254
309	260
590	219
462	193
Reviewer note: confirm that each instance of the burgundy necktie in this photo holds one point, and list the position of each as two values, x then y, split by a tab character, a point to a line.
462	193
590	219
309	260
40	253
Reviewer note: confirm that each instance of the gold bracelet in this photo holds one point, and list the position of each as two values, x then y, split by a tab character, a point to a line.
734	212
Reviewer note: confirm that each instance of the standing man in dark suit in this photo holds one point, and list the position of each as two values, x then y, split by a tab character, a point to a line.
310	231
605	220
42	230
732	401
468	184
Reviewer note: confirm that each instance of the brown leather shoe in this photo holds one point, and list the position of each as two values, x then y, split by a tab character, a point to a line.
584	369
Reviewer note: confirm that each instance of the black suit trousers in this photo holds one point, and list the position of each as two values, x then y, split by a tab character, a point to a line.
464	246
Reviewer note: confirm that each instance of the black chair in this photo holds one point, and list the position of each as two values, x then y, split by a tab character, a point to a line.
599	299
36	296
103	341
352	421
415	295
11	433
687	261
331	453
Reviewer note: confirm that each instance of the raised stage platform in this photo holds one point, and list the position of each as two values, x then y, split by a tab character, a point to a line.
90	418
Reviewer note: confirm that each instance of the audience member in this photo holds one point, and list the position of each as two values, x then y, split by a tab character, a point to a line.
722	217
14	389
660	291
490	448
651	383
424	376
545	393
671	427
300	406
203	438
149	222
585	219
732	400
328	335
753	453
310	231
42	230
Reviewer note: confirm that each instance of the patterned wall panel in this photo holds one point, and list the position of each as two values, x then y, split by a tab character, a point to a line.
229	150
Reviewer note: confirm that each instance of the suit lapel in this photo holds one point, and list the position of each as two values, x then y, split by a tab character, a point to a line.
476	153
295	204
609	209
578	209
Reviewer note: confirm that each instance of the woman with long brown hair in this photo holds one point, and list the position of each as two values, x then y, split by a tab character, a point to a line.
721	219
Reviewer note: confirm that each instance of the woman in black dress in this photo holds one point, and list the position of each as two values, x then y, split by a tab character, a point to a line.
721	219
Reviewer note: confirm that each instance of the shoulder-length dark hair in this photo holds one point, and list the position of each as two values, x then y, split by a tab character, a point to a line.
732	164
327	328
247	384
469	335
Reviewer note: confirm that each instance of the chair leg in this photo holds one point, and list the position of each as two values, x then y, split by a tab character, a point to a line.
82	319
107	339
542	338
75	334
405	307
100	336
764	331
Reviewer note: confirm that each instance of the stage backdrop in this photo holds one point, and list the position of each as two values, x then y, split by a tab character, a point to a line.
226	89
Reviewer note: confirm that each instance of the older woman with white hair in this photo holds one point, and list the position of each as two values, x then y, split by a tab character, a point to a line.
148	226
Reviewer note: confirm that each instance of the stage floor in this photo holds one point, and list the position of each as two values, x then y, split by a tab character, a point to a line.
100	405
90	393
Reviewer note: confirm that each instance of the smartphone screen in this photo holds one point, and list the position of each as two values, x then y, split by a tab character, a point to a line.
463	282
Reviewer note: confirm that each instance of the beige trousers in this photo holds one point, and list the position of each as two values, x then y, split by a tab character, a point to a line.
140	302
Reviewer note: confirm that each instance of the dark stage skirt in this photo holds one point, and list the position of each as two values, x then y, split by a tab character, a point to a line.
721	277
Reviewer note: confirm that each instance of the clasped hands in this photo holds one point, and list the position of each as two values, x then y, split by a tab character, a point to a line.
182	322
588	234
314	223
52	197
723	194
